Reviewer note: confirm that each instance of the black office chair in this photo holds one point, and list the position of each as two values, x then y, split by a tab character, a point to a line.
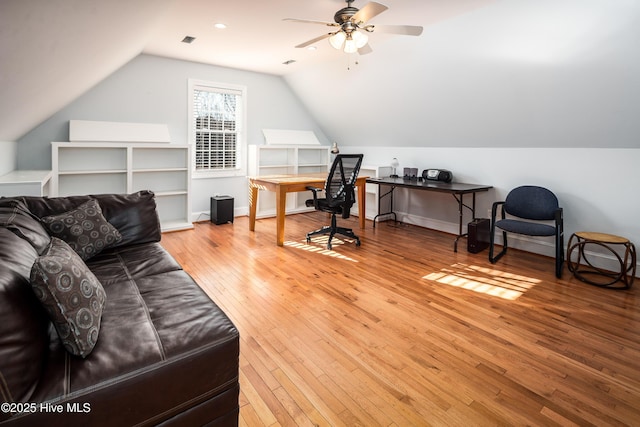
339	196
530	203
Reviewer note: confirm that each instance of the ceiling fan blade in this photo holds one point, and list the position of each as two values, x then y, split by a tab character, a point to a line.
309	21
368	11
406	30
365	49
312	41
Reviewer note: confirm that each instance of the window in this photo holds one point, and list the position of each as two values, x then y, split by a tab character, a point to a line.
216	128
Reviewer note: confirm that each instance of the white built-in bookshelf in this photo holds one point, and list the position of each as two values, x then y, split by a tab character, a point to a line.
285	160
25	183
117	167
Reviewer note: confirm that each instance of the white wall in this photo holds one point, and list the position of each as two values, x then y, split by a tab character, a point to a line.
515	92
152	89
596	187
9	157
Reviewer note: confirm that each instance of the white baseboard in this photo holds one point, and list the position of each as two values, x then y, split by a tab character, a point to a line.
206	215
541	246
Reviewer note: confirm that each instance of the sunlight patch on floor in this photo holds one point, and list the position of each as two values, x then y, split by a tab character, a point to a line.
320	250
484	280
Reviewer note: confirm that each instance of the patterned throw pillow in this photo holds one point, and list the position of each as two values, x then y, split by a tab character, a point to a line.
85	229
72	296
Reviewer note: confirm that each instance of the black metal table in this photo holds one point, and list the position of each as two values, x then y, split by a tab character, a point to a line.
456	189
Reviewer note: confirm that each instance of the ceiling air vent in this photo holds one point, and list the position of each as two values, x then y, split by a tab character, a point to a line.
188	39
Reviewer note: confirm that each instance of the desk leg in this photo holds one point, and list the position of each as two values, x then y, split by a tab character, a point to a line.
281	205
461	207
461	218
253	203
362	210
473	209
380	197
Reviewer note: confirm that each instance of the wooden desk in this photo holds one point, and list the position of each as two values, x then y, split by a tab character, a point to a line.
458	190
283	184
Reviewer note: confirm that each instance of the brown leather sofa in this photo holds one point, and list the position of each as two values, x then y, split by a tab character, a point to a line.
165	354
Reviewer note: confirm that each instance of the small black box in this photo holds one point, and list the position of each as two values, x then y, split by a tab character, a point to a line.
221	209
478	235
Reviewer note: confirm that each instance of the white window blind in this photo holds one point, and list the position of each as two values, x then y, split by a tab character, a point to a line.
216	127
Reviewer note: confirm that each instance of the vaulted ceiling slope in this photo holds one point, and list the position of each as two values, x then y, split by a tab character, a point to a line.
563	64
53	51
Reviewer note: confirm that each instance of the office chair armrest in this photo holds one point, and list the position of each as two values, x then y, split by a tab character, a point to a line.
494	210
314	191
559	219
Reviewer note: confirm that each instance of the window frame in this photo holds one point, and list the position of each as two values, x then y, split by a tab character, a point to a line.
241	124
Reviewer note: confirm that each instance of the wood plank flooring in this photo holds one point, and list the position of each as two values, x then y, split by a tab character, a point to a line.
402	331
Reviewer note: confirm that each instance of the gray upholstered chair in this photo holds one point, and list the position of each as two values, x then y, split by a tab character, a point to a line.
523	212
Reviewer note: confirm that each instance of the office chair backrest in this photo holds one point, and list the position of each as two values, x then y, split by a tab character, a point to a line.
342	177
531	202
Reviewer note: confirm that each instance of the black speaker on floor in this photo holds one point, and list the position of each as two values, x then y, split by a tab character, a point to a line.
478	235
221	209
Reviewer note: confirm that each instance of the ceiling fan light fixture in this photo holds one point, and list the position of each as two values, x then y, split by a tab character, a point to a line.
350	46
337	39
360	38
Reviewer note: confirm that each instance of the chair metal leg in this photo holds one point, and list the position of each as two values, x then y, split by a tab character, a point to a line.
494	259
492	235
559	255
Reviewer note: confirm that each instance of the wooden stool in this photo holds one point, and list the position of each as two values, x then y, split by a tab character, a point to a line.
608	241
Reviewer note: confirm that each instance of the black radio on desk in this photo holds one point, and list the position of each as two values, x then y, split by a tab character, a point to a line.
437	175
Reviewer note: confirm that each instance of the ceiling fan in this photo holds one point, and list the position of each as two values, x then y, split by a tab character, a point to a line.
353	29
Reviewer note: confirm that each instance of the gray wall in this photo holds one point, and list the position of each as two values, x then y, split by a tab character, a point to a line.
8	158
152	89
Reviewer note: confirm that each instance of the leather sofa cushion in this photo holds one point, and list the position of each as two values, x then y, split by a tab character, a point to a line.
24	326
71	294
161	336
129	213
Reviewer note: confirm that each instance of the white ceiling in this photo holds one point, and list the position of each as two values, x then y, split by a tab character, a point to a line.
257	38
52	51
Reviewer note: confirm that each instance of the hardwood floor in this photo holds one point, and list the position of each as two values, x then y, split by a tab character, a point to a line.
402	331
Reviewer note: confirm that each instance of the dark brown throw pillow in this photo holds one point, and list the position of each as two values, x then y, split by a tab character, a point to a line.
72	296
85	229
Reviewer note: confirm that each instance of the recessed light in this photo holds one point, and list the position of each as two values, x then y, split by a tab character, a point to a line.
220	26
312	48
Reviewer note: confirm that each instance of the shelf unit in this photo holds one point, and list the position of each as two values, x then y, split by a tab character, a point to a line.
97	168
25	183
285	160
371	200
